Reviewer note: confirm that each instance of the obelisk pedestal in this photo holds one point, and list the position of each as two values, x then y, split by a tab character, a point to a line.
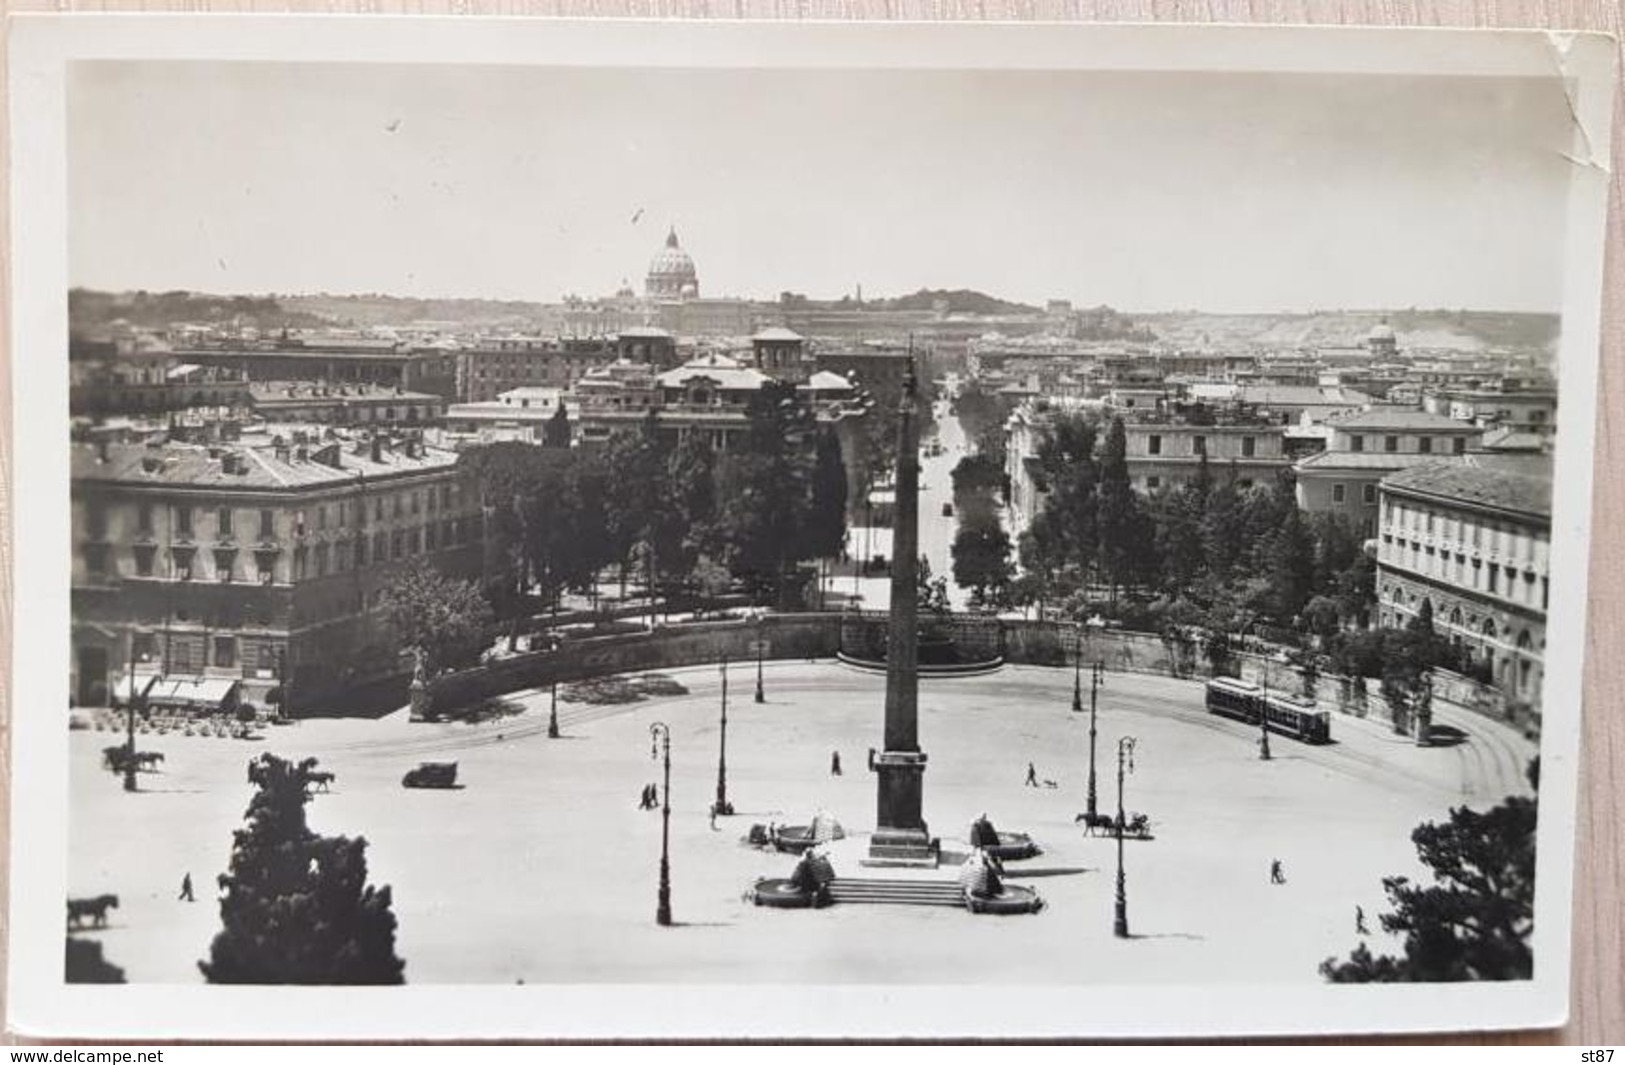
900	836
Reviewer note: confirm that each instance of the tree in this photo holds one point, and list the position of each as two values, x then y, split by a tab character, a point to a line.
981	560
1475	920
1120	524
447	619
1292	567
825	531
296	907
556	430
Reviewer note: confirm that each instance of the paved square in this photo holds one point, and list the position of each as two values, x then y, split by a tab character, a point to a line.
543	869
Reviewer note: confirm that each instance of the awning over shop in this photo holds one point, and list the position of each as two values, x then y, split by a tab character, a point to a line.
199	693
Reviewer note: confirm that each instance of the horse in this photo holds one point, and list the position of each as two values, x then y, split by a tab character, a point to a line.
320	778
95	909
1092	822
114	757
148	759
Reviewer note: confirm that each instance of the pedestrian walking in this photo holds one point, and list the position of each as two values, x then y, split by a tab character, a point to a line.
1032	776
713	817
1359	921
1276	875
835	763
186	889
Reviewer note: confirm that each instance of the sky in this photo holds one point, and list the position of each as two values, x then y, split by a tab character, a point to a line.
1147	191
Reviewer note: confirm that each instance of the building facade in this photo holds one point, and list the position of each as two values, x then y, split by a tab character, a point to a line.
261	559
1474	540
1369	446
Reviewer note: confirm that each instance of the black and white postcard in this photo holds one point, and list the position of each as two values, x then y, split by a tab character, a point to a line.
665	530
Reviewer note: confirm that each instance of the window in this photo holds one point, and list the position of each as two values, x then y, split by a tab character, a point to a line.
1248	447
399	508
1369	493
1357	443
144	555
96	559
181	559
301	559
380	547
1153	444
1339	493
321	516
225	652
183	521
223	522
143	519
265	566
1459	445
1425	445
144	646
414	502
378	508
1151	484
360	551
225	560
96	520
1495	578
1390	443
321	560
1199	445
267	525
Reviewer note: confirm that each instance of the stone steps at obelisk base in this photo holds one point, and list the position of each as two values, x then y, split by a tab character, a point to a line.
897	892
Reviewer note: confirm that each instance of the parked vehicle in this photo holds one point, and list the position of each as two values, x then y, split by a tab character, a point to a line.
431	775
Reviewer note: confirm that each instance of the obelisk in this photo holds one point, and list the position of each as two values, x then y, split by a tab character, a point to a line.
900	836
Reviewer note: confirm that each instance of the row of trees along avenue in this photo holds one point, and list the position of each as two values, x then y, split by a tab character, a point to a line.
1212	555
683	518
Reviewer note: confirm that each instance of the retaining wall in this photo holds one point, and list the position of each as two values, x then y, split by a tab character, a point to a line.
820	635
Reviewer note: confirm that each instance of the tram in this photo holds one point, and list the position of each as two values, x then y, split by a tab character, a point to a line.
1287	714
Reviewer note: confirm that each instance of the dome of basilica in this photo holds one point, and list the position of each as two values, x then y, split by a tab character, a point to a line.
671	272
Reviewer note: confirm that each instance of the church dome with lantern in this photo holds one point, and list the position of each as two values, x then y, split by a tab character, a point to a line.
671	273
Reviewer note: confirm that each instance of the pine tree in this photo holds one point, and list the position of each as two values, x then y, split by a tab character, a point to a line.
296	907
826	519
1474	922
1119	525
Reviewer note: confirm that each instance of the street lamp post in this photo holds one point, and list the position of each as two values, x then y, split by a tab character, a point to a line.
129	726
722	806
1264	716
761	650
1096	679
1077	669
553	697
660	745
1125	753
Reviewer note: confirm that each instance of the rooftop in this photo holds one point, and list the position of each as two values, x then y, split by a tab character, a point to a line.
262	466
778	333
263	392
1484	481
1396	418
1328	461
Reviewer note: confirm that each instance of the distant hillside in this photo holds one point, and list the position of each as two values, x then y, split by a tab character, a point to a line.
956	301
1459	330
91	312
378	310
